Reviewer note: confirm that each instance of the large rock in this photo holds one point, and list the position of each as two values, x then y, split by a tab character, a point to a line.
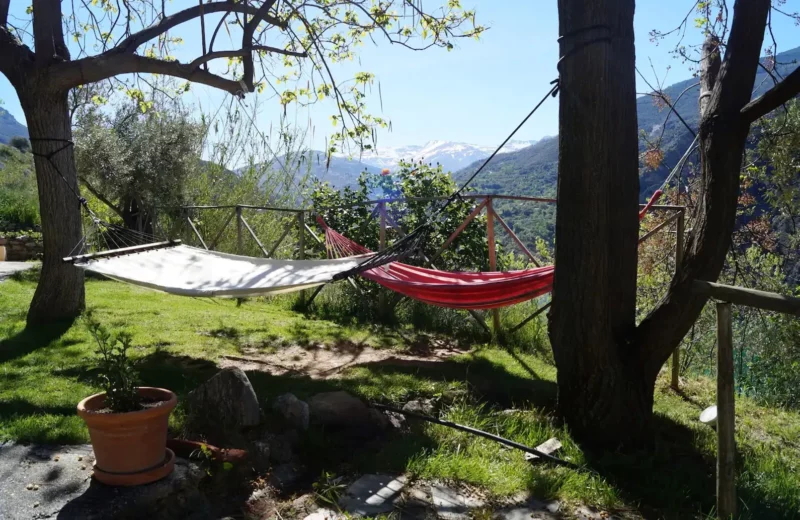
293	410
340	409
223	405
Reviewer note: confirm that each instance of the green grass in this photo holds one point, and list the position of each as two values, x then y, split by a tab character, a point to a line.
45	372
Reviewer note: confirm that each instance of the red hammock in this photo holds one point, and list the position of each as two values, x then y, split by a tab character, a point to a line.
457	290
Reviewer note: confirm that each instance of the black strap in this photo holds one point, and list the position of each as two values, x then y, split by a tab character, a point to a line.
49	158
583	44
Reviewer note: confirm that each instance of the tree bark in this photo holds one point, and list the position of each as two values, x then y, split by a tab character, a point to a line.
60	293
603	395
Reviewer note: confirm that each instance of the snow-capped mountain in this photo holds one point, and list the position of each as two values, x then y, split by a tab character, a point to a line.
452	156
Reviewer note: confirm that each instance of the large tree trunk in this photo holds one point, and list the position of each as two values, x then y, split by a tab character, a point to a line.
603	395
60	293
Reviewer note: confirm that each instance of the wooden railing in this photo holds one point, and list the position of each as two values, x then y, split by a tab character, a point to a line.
726	296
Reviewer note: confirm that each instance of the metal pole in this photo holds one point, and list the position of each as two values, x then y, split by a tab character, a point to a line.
726	416
492	258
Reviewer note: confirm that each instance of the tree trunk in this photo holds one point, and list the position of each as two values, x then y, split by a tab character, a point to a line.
723	133
60	293
135	216
604	396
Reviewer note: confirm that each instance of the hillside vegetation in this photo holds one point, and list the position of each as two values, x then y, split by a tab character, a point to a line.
533	171
19	198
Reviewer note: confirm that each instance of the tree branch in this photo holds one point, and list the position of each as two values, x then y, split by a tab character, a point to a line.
4	12
247	41
773	98
104	66
132	42
100	196
13	55
243	52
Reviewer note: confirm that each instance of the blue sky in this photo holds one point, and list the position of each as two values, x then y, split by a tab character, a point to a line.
476	93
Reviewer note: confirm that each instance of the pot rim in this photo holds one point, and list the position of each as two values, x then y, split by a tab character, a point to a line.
88	406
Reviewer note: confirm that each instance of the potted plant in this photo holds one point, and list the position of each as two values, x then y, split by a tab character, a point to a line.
127	424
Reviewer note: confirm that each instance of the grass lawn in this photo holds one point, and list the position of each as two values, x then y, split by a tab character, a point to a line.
44	372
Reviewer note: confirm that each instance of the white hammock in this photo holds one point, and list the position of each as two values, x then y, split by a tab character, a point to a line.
189	271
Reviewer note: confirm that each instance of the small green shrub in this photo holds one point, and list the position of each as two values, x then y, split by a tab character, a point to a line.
116	368
20	143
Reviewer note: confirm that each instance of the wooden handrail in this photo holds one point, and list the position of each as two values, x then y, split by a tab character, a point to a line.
471	196
750	297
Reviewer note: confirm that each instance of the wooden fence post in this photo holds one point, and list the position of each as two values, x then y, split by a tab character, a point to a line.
492	258
726	416
676	356
301	245
239	238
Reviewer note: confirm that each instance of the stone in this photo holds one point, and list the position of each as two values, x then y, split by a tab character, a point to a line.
223	405
452	505
340	409
420	406
373	494
285	477
261	504
260	453
325	514
396	420
416	500
281	446
67	491
548	447
293	410
586	513
531	510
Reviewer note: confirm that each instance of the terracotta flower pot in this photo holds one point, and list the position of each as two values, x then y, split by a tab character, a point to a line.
130	448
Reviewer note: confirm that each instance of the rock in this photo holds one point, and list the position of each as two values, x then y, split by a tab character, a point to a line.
325	514
373	494
293	410
452	505
223	405
379	419
532	509
396	420
285	477
420	406
302	506
548	447
586	513
340	409
281	446
261	455
261	504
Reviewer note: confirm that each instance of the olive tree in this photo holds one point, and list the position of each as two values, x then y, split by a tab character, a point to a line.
285	48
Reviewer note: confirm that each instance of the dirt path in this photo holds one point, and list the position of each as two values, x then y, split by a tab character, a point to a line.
9	268
326	361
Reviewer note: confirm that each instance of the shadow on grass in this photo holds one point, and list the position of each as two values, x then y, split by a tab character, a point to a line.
676	479
34	337
18	407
